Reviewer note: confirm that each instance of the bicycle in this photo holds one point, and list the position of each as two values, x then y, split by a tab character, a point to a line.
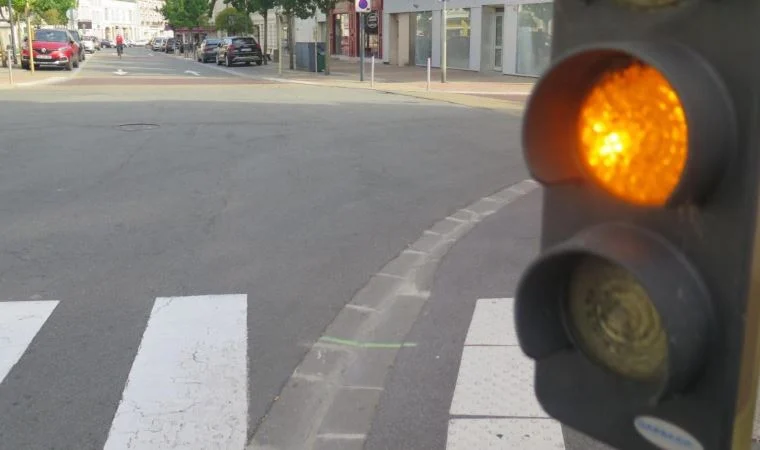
119	50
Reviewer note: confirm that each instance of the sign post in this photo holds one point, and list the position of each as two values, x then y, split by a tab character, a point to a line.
362	7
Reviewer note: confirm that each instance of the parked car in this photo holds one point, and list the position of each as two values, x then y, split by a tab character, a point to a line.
51	48
207	49
237	49
95	42
105	43
88	44
170	45
78	39
159	44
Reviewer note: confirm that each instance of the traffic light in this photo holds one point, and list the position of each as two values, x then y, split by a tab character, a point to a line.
642	309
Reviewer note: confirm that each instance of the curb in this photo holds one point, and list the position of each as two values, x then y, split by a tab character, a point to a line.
455	98
329	402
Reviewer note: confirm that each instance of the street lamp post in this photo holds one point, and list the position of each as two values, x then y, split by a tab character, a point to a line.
30	38
443	42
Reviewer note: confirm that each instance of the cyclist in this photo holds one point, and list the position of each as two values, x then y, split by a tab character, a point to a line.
119	45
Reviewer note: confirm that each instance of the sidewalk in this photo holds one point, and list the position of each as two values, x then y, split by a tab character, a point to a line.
491	90
23	78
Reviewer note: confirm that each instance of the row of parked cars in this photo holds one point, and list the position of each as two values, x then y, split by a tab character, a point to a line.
230	50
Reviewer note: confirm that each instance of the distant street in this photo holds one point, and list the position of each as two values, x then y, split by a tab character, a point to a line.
148	203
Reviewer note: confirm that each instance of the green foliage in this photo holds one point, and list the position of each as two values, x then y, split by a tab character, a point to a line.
303	9
185	13
40	8
54	17
234	22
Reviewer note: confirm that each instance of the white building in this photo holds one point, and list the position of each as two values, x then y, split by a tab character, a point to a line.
108	18
510	36
152	22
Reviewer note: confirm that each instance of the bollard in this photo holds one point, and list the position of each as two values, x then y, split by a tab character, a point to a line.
428	74
10	69
372	73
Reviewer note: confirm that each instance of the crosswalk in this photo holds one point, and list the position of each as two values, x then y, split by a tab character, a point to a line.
494	405
187	387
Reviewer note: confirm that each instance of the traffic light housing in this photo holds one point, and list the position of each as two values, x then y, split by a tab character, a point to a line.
642	309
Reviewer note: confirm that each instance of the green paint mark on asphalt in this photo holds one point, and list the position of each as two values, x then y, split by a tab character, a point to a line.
352	343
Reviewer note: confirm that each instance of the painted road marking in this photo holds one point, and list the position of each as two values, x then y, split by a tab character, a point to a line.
188	386
19	324
495	384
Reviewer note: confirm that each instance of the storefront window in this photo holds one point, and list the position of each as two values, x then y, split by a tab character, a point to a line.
342	42
423	42
458	38
534	30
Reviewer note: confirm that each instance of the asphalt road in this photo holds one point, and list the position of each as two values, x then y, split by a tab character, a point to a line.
114	194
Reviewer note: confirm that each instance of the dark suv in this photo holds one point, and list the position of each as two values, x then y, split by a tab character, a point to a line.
239	49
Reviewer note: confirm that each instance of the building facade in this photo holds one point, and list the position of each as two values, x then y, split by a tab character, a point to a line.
106	19
512	37
306	30
345	34
152	22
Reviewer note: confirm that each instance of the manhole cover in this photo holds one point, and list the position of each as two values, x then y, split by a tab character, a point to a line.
137	126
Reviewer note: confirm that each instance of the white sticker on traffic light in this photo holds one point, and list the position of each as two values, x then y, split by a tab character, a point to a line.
665	435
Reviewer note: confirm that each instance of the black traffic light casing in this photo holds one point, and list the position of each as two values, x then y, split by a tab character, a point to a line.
695	255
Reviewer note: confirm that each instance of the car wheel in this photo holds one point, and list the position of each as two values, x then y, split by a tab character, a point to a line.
247	63
25	66
259	62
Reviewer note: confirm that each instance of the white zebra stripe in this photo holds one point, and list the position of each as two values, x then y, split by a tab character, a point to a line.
496	379
188	384
19	324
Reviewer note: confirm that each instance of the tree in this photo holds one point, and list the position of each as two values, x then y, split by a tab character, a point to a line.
185	13
326	6
39	7
303	9
53	17
233	21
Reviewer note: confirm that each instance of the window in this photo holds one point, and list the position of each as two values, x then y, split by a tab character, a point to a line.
458	38
50	36
534	30
423	40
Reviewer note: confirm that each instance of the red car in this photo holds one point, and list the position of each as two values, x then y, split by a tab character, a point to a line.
52	48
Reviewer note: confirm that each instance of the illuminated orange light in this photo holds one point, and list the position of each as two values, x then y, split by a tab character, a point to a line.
633	135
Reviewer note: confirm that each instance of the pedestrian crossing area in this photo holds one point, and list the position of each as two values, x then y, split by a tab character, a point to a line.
494	406
187	386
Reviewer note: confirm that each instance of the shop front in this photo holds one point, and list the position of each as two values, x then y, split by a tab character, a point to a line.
511	37
345	36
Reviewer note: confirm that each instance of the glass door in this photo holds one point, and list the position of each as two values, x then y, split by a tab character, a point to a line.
498	39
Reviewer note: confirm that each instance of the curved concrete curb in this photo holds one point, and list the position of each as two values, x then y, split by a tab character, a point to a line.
329	401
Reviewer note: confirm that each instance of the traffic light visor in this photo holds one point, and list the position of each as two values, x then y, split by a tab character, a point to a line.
649	126
633	134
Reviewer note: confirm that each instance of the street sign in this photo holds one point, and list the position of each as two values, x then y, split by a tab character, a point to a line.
371	23
362	6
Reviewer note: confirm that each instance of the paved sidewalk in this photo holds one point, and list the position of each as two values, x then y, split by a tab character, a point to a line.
494	404
491	90
23	77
